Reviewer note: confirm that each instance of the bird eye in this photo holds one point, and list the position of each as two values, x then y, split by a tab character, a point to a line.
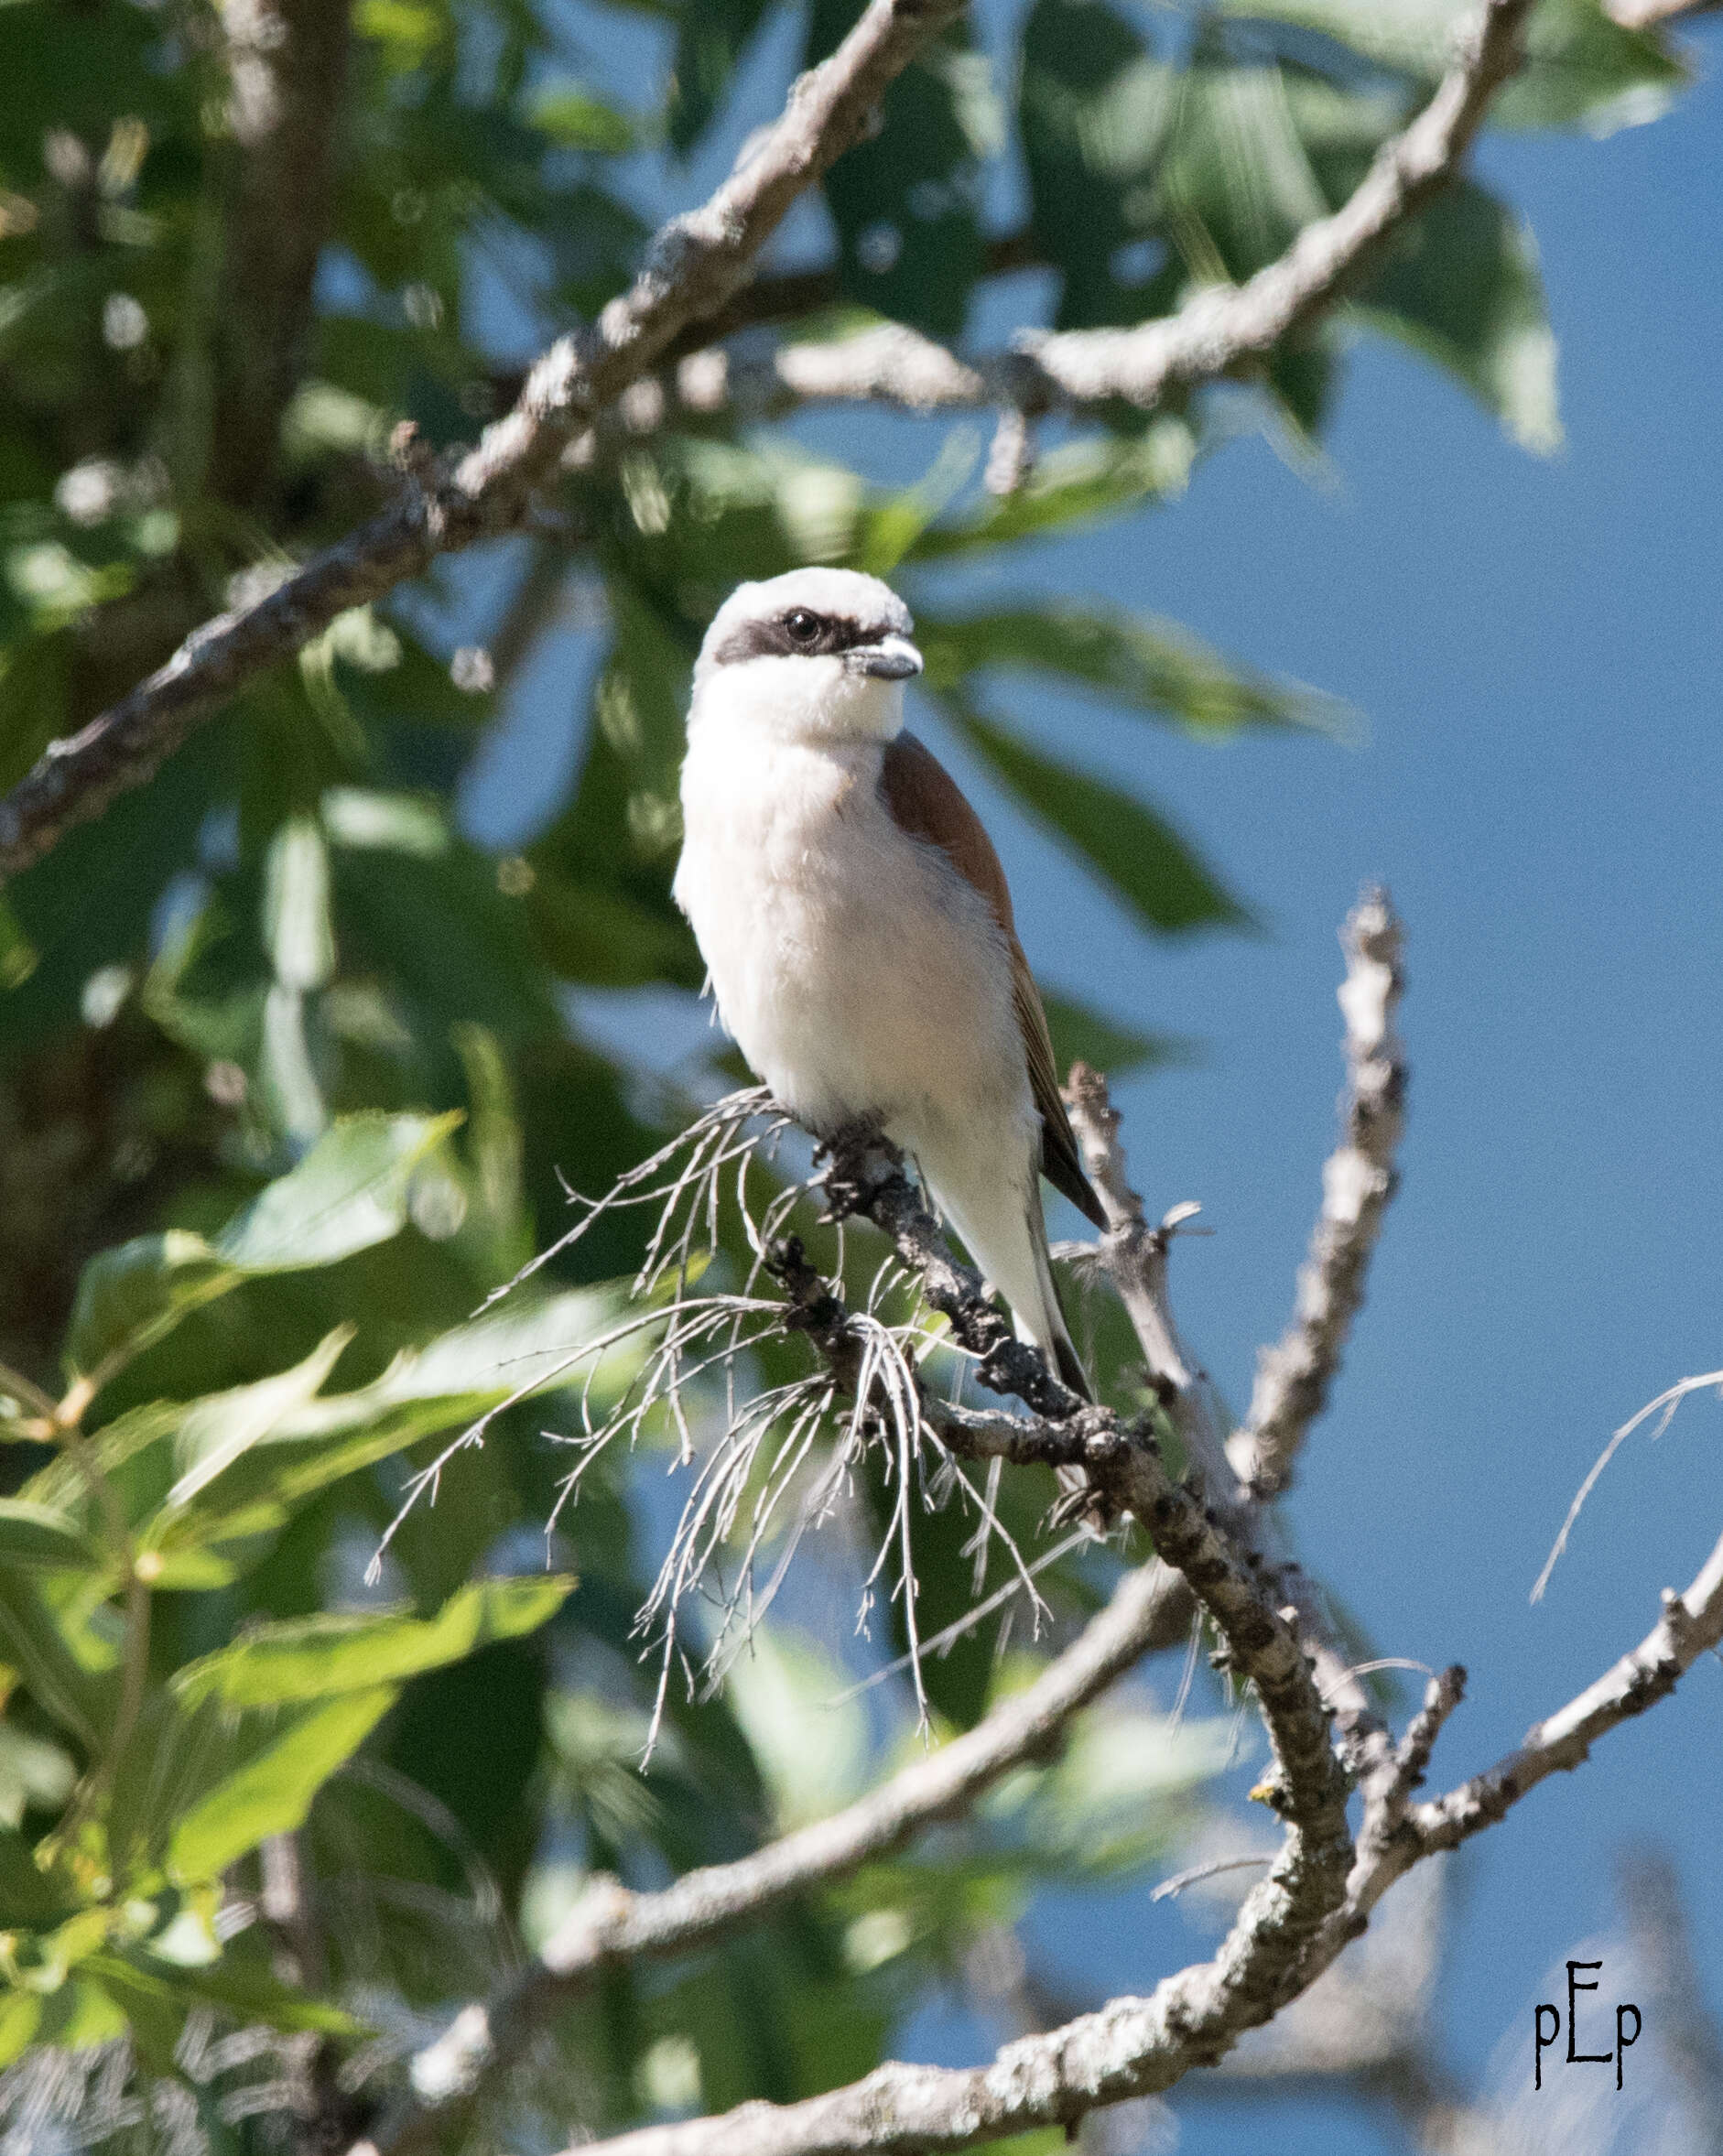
801	627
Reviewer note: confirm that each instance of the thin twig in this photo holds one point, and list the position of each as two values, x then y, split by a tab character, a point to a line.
1293	1378
1668	1402
1198	1872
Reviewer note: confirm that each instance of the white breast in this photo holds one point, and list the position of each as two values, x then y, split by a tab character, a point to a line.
857	973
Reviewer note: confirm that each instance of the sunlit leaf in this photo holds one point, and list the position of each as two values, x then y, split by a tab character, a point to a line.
266	1774
1147	665
1581	66
1137	853
352	1190
1463	287
318	1657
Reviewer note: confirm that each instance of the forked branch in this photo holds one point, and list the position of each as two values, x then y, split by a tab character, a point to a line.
693	270
695	264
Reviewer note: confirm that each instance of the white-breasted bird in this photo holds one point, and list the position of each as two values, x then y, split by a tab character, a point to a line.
856	923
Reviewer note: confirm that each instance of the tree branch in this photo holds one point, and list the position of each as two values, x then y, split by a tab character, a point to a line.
695	264
288	62
1691	1623
1132	2046
610	1926
1134	1257
1293	1377
1223	330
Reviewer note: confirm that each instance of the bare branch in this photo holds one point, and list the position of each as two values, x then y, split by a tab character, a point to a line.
610	1925
1135	1258
1224	330
1135	2046
694	265
287	61
1293	1377
1691	1623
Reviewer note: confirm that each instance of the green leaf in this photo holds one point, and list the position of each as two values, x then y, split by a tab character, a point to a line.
315	1441
32	1771
19	2013
1119	1795
42	1540
131	1297
1083	1035
906	200
602	938
243	1985
1077	485
155	2011
31	1898
1580	66
1463	287
318	1657
216	1432
266	1773
710	38
297	927
890	528
575	119
67	1661
1095	111
1237	185
1138	854
352	1190
1151	666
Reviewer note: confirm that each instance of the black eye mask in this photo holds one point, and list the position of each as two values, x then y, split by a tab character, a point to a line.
774	639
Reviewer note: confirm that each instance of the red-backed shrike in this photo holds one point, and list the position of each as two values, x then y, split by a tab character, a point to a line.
856	923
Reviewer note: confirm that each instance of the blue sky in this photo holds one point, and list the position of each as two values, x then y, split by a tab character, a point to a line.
1537	645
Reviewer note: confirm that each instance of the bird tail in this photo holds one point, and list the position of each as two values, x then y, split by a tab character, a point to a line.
1046	1327
1008	1241
1048	1330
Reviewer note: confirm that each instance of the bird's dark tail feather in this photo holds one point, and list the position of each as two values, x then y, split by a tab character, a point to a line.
1070	1370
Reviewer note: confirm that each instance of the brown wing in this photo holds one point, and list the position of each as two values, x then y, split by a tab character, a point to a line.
923	798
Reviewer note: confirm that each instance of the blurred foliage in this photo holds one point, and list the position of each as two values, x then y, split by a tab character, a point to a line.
291	1063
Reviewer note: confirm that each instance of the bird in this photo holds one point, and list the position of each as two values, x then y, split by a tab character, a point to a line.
857	927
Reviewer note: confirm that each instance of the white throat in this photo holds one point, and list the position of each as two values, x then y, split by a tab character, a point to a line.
771	702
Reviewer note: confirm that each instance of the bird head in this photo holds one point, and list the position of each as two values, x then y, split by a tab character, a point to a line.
819	652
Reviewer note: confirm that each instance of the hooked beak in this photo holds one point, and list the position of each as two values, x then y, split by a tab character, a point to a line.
893	658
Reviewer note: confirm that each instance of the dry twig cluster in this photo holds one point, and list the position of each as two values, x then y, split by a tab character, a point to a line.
1214	1550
